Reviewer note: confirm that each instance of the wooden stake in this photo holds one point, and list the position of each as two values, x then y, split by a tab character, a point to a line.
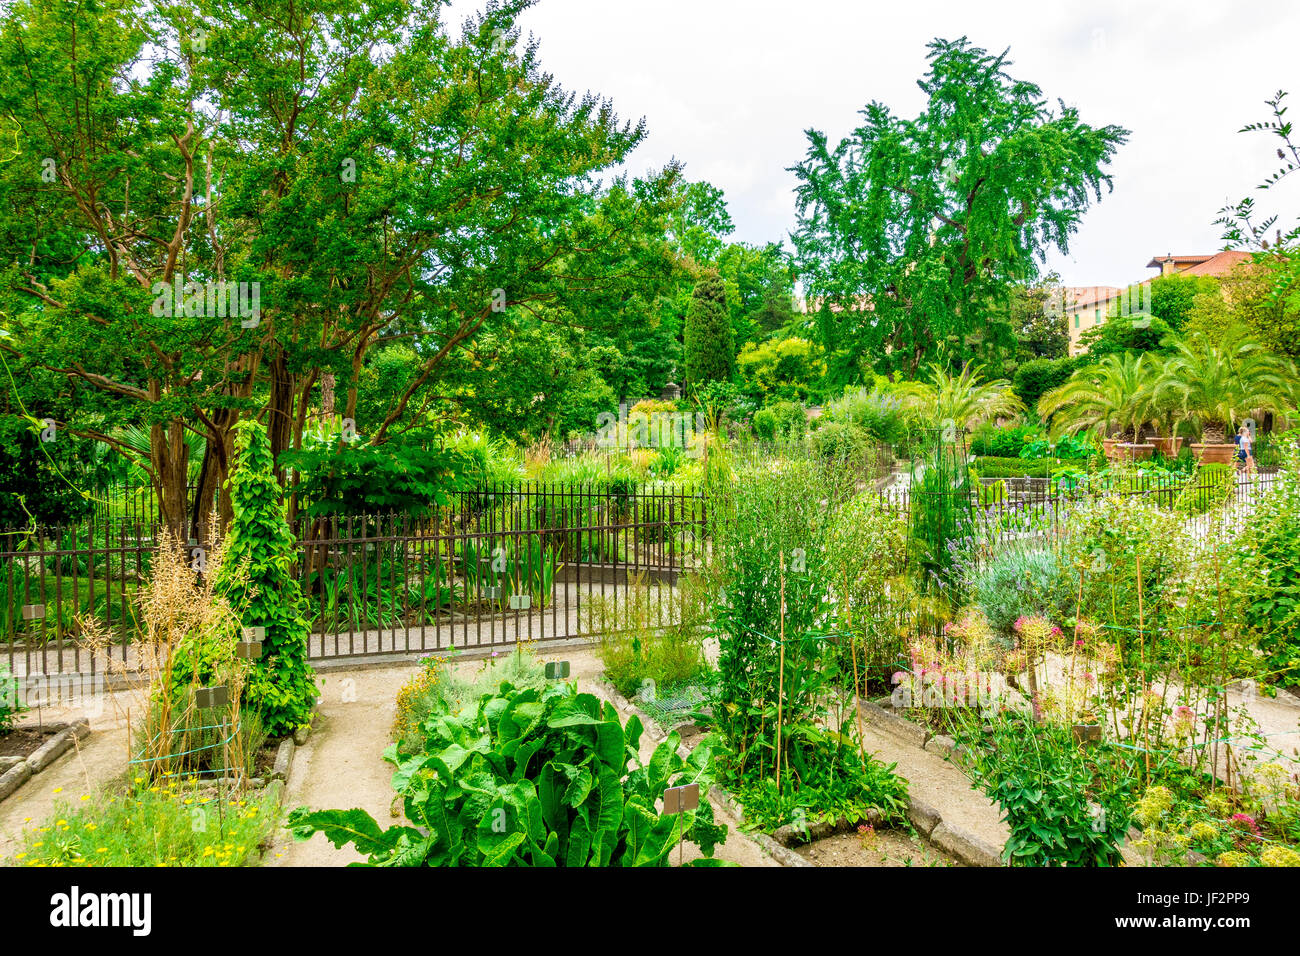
780	686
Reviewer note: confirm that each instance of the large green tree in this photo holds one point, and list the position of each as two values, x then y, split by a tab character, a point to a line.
910	231
377	175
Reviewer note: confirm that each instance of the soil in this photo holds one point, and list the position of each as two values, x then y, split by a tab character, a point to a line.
885	848
24	741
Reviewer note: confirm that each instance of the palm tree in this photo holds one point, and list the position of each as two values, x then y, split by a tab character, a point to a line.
1220	381
963	399
1099	397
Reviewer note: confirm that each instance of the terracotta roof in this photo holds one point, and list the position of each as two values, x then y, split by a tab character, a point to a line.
1156	261
1079	296
1220	263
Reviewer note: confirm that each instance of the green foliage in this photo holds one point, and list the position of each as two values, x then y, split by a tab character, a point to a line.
281	687
530	778
642	654
1037	376
957	403
783	368
41	483
1272	568
1100	397
172	824
990	467
1047	787
778	551
942	517
1220	381
710	350
10	704
1003	442
1210	486
933	219
878	411
781	420
341	477
841	441
1015	584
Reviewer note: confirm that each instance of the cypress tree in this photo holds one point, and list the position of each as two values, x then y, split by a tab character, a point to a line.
709	344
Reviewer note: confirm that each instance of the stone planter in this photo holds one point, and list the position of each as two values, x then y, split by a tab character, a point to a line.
1214	454
1169	447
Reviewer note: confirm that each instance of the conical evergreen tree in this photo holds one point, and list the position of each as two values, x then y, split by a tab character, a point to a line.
709	344
282	685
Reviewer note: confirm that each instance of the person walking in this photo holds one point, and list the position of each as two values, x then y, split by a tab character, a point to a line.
1246	449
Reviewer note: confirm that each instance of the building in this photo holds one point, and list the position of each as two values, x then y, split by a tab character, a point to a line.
1087	306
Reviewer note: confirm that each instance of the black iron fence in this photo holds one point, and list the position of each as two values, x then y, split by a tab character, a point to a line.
501	564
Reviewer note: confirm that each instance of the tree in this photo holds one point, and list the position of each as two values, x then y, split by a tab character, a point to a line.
709	349
1038	376
959	401
282	686
1219	382
377	176
1098	397
911	231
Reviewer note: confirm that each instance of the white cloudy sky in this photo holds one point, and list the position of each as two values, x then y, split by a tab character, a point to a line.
729	86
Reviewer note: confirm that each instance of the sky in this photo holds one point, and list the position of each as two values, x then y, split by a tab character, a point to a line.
729	86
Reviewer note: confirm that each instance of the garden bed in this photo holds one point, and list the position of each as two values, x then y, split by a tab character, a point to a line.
22	742
878	848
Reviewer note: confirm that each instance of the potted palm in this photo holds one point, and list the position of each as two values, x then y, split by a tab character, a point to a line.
1218	382
1101	397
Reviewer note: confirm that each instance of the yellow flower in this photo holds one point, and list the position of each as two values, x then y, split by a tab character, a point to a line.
1280	856
85	797
58	790
61	823
102	849
21	856
1233	858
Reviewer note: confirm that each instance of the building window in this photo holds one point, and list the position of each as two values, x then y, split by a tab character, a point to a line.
1097	318
1076	320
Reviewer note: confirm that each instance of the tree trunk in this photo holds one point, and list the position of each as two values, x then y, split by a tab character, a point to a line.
1214	433
279	423
170	460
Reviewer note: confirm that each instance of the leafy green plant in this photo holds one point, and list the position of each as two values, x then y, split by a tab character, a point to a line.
531	778
10	703
1062	807
257	578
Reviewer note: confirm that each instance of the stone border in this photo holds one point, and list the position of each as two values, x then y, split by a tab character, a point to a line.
45	755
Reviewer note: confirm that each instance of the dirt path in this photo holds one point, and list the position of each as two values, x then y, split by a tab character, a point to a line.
91	764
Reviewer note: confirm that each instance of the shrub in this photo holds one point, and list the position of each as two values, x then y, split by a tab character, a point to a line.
877	411
1004	442
781	420
281	687
841	441
531	778
990	467
1017	584
637	650
1037	376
